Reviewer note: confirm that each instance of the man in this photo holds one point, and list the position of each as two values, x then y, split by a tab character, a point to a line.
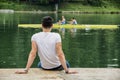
74	22
49	48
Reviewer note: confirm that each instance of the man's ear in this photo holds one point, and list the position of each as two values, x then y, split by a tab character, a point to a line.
52	26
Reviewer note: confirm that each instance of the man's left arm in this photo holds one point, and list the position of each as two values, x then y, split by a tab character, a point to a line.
31	58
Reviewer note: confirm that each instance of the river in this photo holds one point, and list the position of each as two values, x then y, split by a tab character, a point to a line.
84	48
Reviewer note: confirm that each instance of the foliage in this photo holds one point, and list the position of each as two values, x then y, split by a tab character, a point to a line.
90	2
82	5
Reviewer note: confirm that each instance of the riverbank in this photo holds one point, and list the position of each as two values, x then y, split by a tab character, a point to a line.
83	74
67	7
64	12
24	7
81	8
91	12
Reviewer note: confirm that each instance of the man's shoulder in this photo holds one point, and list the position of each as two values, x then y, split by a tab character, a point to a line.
54	33
36	34
57	35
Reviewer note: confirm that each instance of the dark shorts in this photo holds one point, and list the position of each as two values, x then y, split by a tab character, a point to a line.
56	68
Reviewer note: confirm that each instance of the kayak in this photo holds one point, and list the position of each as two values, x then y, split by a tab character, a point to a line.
69	26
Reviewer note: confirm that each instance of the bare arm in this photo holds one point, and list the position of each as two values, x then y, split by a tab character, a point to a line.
62	58
32	55
61	55
31	58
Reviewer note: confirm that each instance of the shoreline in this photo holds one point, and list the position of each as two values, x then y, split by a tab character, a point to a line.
91	12
35	11
63	12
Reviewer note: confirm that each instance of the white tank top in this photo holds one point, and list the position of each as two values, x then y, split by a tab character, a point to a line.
46	42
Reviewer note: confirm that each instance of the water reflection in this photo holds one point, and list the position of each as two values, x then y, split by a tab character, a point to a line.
93	50
96	48
6	21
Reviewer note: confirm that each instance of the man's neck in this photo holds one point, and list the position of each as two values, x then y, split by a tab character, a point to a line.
46	29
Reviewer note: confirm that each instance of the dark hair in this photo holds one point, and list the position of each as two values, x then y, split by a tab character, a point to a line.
47	22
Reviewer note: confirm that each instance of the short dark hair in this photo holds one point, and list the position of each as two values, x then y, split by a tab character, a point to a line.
47	22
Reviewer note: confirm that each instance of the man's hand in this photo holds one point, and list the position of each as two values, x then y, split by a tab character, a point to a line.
21	72
71	72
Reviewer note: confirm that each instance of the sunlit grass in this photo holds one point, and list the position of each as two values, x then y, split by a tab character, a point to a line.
69	26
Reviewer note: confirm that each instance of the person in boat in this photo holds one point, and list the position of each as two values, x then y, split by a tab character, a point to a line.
63	21
73	21
49	47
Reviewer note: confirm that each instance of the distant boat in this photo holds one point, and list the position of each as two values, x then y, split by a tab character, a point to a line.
69	26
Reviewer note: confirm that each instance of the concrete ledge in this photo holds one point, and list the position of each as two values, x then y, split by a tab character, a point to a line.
84	74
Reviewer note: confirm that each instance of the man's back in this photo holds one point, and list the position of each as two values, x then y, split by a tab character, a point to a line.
46	42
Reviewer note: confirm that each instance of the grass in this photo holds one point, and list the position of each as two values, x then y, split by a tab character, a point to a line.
107	7
68	26
23	6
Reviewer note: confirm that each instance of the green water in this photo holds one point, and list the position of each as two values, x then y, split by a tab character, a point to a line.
91	48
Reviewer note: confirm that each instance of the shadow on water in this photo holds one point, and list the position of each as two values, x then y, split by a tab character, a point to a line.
83	48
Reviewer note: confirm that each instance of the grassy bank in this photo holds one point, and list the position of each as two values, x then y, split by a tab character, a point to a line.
66	6
24	6
106	7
